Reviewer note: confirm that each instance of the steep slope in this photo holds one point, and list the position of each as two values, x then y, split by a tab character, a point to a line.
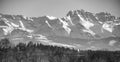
78	29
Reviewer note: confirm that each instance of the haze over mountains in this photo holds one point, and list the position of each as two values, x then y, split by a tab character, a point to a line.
78	29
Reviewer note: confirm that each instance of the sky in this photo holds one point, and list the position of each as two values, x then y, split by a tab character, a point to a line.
57	8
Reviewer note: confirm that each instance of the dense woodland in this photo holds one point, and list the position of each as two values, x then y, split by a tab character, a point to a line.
44	53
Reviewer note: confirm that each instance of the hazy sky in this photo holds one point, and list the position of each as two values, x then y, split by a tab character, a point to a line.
58	8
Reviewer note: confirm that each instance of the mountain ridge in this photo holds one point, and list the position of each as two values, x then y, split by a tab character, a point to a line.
76	24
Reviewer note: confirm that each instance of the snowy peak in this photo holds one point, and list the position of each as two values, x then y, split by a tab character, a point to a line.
76	21
105	21
80	17
52	17
10	26
103	17
78	26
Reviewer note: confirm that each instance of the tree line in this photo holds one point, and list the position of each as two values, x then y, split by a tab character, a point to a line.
48	53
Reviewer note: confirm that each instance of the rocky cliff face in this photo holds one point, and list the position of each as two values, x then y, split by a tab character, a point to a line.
79	29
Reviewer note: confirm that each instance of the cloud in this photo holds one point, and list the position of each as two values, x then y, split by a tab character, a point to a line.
112	42
78	45
92	48
90	42
61	44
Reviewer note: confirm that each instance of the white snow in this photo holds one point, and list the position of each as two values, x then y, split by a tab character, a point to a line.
68	17
89	31
87	24
65	26
100	22
108	27
48	24
5	31
15	25
30	19
9	28
25	17
23	27
51	17
117	23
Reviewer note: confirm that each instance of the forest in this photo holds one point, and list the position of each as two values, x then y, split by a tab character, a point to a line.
46	53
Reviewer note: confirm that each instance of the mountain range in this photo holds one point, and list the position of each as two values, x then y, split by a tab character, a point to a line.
79	29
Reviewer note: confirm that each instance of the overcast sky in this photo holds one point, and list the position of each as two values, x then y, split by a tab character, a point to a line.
58	8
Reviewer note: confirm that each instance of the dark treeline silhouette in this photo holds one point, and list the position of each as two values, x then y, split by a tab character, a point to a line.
46	53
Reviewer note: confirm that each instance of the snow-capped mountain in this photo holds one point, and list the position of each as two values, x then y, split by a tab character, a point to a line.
78	29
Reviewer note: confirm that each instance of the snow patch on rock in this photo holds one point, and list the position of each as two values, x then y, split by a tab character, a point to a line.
11	26
51	17
65	26
87	24
48	24
108	26
68	18
23	27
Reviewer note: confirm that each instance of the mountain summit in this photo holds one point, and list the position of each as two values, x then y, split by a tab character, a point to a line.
78	29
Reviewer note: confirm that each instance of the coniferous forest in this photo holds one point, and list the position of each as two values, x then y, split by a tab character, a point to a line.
46	53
